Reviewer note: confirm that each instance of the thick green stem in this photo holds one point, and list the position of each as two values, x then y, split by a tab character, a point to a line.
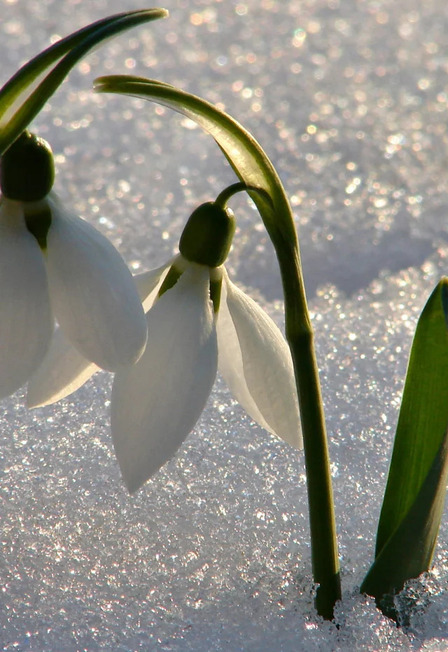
300	338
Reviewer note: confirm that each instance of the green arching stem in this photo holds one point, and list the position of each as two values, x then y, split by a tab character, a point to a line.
300	337
228	192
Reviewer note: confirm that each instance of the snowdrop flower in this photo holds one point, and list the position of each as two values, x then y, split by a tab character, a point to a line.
54	265
198	322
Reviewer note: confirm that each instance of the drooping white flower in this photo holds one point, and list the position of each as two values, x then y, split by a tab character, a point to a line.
54	265
156	402
198	322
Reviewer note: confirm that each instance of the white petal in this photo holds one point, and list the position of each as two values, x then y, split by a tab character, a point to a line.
64	369
26	323
149	283
156	402
255	361
62	372
93	293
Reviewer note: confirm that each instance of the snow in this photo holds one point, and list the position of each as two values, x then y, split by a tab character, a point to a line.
350	101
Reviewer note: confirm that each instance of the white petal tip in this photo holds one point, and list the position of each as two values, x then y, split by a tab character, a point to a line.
294	439
135	465
133	484
61	373
156	403
31	404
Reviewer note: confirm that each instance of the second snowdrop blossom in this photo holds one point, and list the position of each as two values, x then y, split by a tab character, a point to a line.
54	265
198	322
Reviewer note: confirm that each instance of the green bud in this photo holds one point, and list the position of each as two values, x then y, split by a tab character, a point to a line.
207	236
27	169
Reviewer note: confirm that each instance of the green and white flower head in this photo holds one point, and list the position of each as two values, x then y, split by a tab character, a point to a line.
198	322
55	266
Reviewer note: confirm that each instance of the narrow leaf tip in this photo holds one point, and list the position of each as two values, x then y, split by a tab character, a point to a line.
444	292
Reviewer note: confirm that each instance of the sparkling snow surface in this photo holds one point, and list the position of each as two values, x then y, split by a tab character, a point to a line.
350	100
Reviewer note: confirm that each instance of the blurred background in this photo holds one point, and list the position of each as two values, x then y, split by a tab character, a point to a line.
349	100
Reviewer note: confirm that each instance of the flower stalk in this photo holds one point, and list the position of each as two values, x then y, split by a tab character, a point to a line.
300	337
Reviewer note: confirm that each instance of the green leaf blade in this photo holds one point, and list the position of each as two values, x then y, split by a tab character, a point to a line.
423	415
243	152
415	491
408	552
23	96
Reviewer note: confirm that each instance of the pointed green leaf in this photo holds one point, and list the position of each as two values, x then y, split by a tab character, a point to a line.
243	152
423	417
415	492
408	552
23	96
